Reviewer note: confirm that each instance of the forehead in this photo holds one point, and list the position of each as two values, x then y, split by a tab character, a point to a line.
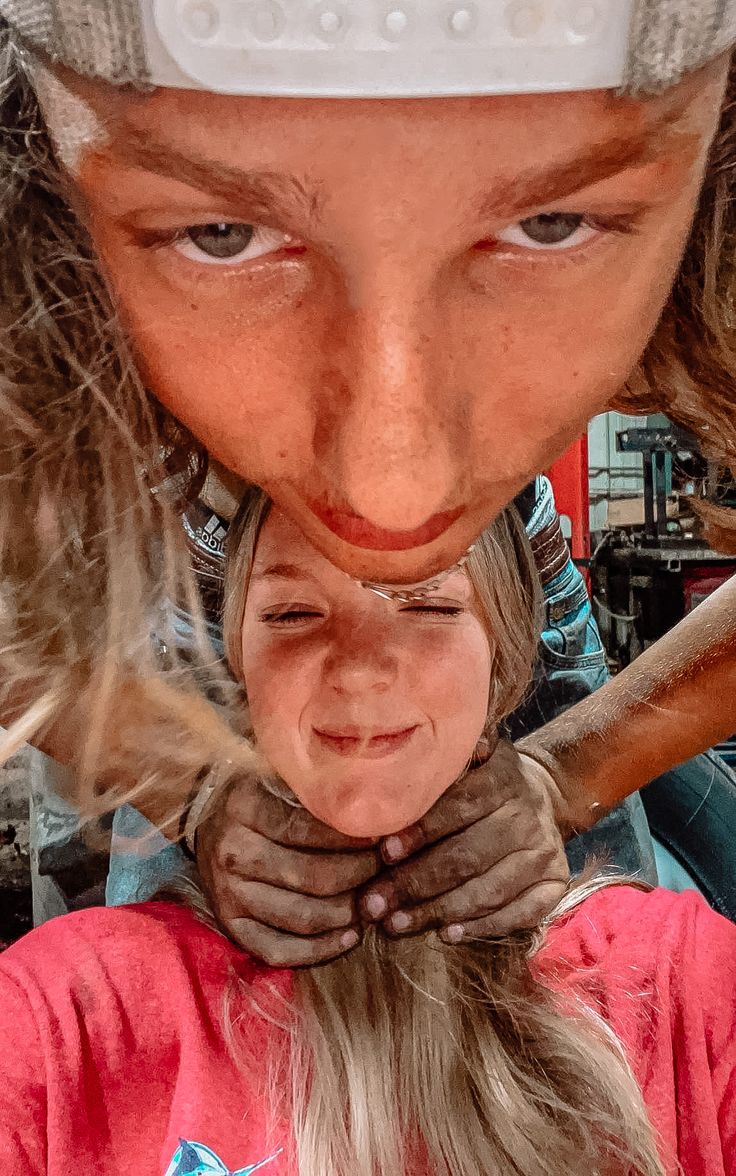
529	125
281	542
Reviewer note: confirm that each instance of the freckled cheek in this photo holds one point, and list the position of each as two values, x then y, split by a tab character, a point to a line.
279	685
240	376
451	674
554	357
224	322
531	401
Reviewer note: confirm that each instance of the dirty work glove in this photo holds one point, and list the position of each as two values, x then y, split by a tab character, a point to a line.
486	860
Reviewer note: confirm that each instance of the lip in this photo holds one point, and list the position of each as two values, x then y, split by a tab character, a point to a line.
357	531
348	743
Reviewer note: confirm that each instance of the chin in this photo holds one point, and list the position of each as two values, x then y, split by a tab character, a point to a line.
363	815
366	827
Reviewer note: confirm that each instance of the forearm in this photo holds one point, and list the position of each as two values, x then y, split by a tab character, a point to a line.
676	700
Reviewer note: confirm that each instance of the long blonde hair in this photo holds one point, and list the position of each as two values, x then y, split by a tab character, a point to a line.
415	1057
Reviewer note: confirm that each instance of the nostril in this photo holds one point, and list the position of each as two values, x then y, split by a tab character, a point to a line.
360	681
393	474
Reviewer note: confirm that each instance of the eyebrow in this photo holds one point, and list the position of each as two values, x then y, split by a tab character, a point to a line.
537	187
266	194
279	196
284	571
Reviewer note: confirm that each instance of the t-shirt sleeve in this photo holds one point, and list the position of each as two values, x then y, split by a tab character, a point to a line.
23	1149
94	1005
695	952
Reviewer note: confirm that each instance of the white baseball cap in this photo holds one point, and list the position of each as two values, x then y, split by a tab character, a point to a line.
379	48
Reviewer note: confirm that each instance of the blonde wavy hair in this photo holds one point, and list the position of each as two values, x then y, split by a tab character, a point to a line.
94	473
411	1055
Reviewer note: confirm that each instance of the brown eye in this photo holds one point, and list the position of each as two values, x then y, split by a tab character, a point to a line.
223	241
552	228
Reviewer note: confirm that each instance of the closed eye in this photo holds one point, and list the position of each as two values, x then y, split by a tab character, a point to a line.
290	616
442	610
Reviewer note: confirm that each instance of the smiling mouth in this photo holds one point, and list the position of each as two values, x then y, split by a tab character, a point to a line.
365	746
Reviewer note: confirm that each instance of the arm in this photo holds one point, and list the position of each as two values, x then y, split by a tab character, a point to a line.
676	700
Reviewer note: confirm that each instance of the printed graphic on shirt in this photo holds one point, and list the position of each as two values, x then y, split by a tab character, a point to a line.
194	1159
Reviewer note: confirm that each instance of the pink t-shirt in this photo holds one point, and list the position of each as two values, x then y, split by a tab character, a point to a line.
114	1060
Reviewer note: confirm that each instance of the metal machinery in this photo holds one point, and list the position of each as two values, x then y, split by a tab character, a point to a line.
569	478
645	576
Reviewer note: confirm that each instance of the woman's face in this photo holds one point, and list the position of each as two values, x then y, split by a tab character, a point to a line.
391	313
367	709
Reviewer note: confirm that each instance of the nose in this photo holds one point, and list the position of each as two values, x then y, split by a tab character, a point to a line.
362	660
391	431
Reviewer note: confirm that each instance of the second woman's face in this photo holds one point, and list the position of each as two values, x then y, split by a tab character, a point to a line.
367	709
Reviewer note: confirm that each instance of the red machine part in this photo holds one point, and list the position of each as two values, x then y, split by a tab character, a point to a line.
569	478
699	583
